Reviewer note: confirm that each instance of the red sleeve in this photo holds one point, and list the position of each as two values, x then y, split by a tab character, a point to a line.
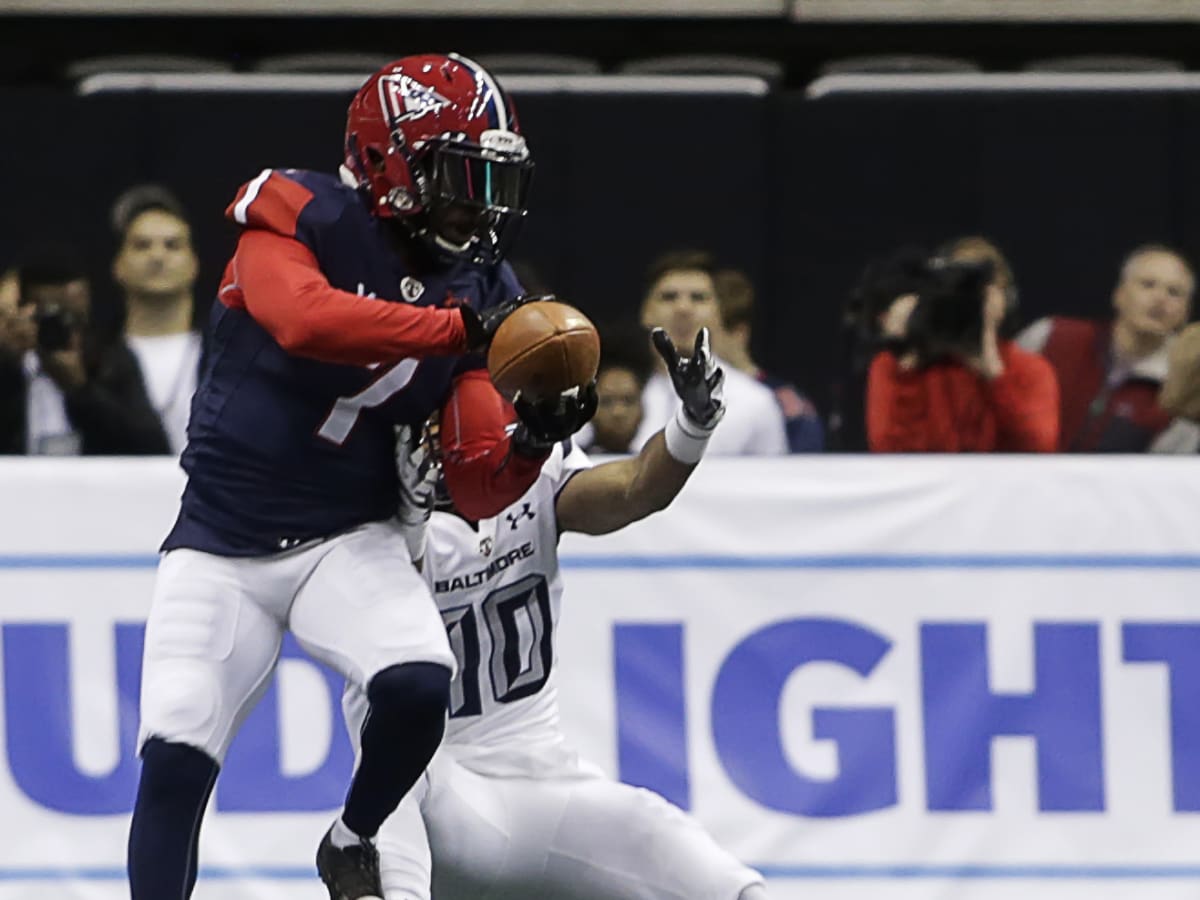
900	415
277	280
482	473
271	201
1025	401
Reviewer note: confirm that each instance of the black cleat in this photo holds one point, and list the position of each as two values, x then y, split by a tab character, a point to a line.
350	873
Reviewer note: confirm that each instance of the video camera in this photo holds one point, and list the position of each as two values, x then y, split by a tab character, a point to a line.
55	327
947	319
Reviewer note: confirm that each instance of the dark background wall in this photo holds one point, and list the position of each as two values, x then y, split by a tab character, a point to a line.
799	192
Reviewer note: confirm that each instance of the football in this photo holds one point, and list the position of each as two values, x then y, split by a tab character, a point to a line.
543	348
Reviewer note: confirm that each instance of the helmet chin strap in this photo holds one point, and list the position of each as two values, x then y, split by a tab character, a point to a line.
451	247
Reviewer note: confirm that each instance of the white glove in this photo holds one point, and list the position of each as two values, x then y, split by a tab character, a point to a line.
418	473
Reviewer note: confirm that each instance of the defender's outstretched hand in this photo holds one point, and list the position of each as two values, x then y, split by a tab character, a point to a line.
697	379
481	326
546	421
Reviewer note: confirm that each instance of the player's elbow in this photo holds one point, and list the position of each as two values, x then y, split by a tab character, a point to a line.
297	337
649	502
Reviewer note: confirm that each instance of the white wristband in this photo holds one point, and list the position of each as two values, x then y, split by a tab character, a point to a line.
415	537
686	441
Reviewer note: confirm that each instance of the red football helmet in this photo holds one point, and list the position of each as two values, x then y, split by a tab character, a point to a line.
435	143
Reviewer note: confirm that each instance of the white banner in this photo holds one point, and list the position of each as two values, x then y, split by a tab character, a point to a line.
892	677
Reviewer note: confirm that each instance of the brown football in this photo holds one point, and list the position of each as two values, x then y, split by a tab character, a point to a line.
543	348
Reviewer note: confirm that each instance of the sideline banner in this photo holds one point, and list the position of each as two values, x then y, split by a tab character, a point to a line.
868	677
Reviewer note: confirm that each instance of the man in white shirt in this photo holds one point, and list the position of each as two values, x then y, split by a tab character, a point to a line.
681	299
156	269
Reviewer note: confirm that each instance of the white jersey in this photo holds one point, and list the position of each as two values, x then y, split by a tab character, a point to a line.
499	590
505	809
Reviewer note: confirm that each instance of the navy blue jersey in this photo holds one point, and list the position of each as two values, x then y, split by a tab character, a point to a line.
281	447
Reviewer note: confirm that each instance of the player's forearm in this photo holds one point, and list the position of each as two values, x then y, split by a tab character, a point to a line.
619	493
482	472
279	283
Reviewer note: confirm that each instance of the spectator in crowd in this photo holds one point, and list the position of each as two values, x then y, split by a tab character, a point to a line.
17	334
1180	394
156	270
879	285
625	367
949	381
9	291
1110	373
681	298
731	342
66	390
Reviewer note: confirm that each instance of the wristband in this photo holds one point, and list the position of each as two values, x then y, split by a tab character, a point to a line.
686	441
415	537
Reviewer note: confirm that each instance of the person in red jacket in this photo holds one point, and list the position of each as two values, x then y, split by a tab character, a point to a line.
970	397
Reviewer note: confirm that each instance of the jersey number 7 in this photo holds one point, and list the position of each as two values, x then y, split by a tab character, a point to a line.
346	410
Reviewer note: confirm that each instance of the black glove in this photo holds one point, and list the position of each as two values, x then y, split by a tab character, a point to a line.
481	326
544	422
697	380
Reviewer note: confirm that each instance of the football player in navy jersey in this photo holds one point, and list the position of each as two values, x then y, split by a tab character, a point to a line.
507	810
352	305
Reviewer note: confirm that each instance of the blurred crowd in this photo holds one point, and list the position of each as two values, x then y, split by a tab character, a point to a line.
940	361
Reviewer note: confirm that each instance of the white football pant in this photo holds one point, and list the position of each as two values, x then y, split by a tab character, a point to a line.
354	602
568	835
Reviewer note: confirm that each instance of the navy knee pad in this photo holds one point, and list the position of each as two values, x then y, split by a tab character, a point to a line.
403	729
418	689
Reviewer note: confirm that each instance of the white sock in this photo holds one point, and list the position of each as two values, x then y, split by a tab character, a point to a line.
341	836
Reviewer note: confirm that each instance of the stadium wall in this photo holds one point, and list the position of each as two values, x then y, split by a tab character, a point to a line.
800	189
868	677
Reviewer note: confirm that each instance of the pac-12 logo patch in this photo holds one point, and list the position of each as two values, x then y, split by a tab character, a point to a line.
485	546
410	288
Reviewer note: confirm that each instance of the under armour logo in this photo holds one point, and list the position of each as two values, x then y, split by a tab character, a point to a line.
485	546
514	519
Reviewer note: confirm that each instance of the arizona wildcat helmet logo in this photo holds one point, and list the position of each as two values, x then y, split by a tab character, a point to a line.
408	99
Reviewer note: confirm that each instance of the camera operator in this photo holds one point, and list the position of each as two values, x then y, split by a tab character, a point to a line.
947	381
65	390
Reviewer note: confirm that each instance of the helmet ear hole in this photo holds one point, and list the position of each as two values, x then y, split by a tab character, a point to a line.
375	159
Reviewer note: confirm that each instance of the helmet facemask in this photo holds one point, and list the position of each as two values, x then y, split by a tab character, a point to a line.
474	195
